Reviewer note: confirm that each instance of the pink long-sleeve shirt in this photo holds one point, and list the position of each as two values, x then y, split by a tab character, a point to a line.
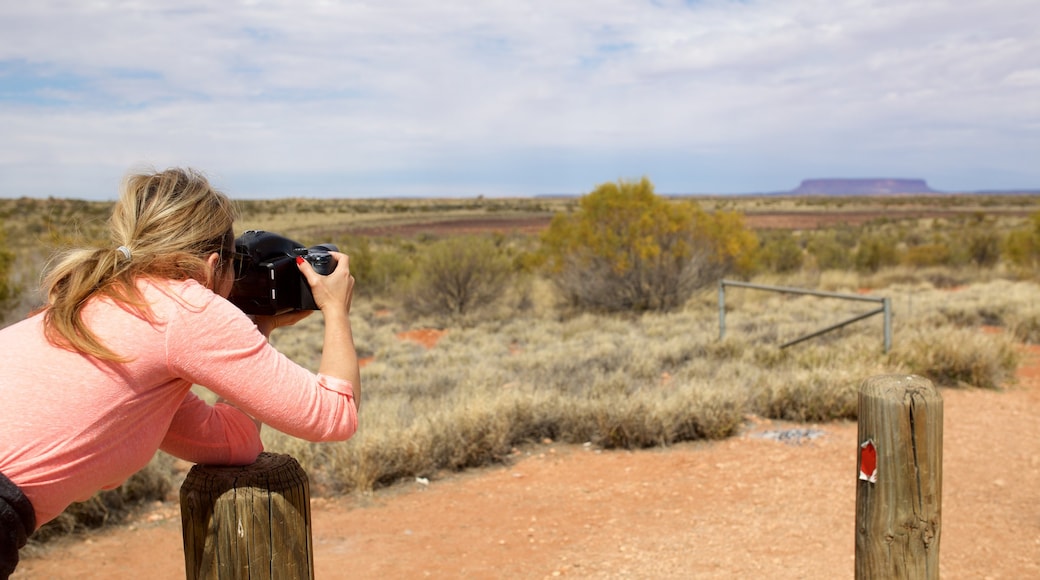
71	424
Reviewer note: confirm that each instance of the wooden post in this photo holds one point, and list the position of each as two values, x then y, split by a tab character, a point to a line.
251	521
899	485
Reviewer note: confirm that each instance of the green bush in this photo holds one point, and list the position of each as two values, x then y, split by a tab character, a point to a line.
458	275
832	249
389	270
976	245
780	252
875	251
627	249
927	255
379	269
1022	246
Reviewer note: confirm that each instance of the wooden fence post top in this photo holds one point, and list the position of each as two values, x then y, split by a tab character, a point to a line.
884	386
271	471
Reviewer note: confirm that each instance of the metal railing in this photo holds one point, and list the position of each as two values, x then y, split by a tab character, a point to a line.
886	309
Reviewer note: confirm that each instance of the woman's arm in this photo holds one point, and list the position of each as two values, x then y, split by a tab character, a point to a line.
215	345
217	434
333	294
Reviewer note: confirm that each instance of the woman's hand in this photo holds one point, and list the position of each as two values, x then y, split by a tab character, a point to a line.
334	291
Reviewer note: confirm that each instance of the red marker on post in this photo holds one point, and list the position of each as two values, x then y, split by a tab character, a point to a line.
868	461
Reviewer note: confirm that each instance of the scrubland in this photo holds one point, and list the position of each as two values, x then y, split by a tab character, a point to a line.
526	368
643	381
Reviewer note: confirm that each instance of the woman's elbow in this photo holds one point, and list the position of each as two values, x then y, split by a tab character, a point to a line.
345	429
347	426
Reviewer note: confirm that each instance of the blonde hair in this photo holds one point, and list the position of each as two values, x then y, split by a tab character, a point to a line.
164	225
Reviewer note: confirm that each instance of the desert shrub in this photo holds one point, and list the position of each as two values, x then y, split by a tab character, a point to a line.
974	242
966	315
389	270
927	255
807	396
732	244
1000	304
361	257
1022	246
627	249
875	251
379	269
982	247
996	303
780	252
817	380
959	357
458	275
1025	324
831	249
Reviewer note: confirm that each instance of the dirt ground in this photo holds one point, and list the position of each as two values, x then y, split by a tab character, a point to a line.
753	506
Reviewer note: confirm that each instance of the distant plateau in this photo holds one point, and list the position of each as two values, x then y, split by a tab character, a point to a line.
882	186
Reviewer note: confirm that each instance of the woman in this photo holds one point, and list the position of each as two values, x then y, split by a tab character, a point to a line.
100	378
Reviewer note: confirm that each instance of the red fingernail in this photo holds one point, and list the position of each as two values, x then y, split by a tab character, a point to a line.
299	259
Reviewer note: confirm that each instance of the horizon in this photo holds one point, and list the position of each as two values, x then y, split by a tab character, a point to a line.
535	97
562	195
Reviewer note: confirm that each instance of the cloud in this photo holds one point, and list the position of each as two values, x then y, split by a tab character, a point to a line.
405	97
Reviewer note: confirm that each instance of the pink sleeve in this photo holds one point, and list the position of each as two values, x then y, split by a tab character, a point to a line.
216	435
219	347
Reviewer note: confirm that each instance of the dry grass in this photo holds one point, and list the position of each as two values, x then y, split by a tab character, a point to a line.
641	381
528	371
634	382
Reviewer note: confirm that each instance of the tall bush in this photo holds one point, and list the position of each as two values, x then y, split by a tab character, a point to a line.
379	268
780	252
1022	246
832	249
983	247
626	248
458	275
876	251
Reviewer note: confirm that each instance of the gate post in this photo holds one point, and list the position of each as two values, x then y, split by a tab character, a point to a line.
250	521
899	485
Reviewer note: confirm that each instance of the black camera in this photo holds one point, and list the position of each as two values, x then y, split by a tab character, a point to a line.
267	280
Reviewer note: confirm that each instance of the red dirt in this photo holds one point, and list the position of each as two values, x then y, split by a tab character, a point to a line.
427	337
746	507
475	225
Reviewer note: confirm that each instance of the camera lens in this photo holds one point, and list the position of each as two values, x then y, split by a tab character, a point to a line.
321	262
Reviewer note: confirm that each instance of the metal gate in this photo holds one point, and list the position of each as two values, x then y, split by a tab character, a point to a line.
885	309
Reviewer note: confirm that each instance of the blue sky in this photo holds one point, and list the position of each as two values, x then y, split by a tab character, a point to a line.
460	98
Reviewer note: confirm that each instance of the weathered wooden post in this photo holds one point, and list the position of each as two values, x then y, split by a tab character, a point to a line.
251	521
899	487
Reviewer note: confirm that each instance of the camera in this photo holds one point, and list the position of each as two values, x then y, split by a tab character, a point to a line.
267	279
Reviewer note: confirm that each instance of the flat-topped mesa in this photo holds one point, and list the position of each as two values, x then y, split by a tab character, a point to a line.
862	187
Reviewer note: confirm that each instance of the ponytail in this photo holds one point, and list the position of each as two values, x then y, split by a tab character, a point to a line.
163	226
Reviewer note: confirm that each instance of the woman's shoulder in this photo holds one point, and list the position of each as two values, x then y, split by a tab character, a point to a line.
178	294
196	318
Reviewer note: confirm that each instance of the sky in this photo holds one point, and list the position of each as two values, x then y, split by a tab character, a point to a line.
455	98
